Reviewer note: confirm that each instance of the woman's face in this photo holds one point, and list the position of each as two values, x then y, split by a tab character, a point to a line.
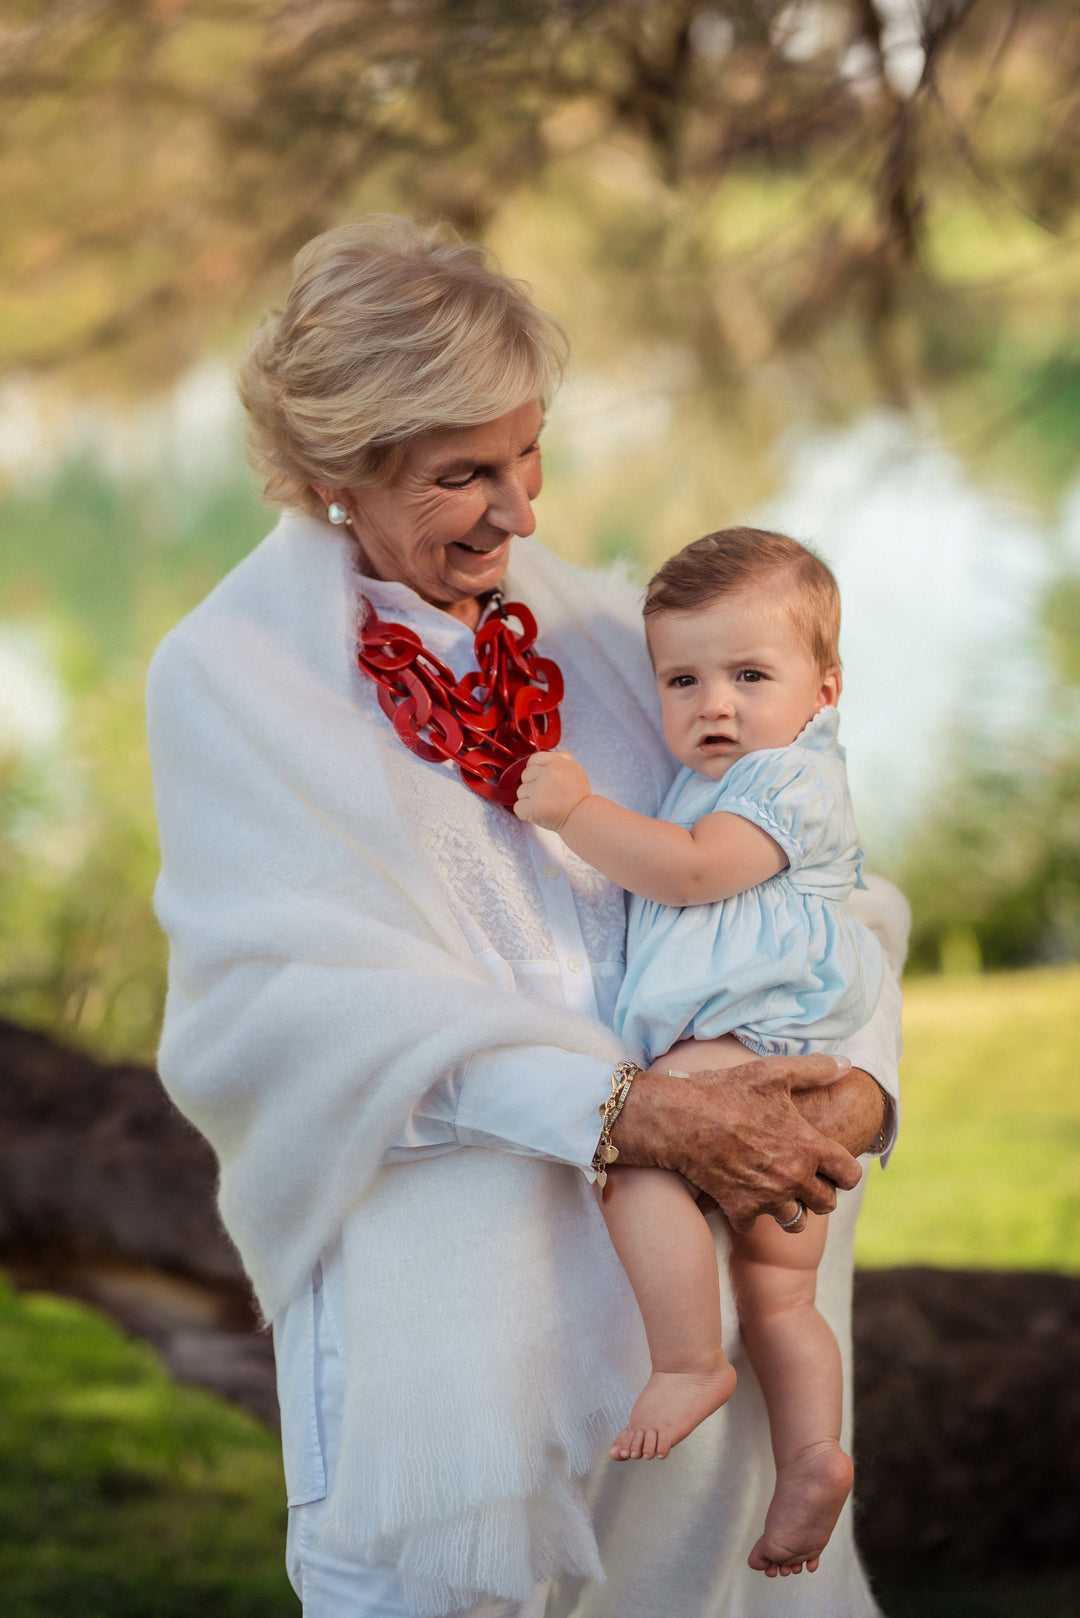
444	525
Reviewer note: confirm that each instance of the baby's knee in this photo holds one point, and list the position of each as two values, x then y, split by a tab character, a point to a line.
769	1290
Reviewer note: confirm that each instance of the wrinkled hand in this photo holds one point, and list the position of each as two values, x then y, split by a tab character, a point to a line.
851	1111
737	1135
552	786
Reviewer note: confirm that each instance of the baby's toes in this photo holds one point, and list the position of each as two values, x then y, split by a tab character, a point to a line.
620	1448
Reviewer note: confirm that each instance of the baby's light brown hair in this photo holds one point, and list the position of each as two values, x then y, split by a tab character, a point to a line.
734	560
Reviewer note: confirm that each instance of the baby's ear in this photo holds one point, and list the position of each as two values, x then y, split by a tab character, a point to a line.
832	683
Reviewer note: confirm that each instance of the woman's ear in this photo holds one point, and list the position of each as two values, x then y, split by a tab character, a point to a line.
325	493
832	683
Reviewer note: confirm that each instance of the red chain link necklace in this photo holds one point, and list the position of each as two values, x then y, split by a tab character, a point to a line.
487	723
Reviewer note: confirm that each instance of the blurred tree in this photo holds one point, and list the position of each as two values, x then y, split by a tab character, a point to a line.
993	874
160	160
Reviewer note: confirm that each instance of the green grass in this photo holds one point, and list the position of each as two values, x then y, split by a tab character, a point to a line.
121	1494
987	1170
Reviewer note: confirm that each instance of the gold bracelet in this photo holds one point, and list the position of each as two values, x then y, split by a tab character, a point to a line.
621	1080
879	1145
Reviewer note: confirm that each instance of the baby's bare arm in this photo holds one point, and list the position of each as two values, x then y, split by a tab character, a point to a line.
723	854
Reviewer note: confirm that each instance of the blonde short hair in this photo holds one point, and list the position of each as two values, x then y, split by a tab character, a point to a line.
734	560
389	330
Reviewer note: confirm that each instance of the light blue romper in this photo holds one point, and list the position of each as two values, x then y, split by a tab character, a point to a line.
782	966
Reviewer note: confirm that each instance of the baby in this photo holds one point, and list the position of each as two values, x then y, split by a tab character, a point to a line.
738	940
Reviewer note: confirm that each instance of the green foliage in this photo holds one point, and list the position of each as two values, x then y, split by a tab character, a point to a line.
998	861
1061	616
987	1170
121	1494
115	554
80	951
101	567
162	162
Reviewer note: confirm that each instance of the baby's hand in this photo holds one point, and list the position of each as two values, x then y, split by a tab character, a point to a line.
552	785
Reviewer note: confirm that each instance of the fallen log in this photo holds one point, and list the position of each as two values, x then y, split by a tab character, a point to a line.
967	1420
107	1195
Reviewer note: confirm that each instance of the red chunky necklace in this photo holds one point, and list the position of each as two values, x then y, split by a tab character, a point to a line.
490	721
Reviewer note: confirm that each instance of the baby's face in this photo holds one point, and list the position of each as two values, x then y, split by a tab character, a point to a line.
733	679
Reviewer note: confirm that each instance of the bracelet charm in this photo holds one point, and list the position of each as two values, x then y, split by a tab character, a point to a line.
606	1151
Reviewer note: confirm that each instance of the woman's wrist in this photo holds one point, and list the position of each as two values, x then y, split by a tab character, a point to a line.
611	1109
635	1133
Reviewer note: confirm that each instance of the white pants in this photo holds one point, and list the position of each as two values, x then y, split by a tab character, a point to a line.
330	1585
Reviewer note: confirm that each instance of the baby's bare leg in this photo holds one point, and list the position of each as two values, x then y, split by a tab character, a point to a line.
705	1055
797	1361
667	1252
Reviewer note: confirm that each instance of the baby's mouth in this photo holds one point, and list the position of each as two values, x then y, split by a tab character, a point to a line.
717	740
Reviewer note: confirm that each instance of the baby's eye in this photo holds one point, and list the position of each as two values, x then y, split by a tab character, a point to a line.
750	676
679	682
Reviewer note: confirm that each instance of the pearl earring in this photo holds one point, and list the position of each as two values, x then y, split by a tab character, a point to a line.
337	513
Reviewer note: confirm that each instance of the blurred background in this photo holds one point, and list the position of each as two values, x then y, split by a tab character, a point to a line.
819	261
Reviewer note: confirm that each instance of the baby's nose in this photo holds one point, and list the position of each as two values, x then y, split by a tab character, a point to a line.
716	702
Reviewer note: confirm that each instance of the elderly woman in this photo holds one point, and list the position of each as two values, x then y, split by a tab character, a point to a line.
389	999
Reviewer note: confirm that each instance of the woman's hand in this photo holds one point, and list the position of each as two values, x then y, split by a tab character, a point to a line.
740	1135
552	786
852	1111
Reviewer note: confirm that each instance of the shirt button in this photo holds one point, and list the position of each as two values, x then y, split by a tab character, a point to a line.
573	963
552	871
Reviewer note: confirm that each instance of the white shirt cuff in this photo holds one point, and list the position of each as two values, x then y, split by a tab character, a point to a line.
537	1100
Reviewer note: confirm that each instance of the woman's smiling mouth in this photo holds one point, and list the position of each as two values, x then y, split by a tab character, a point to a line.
481	550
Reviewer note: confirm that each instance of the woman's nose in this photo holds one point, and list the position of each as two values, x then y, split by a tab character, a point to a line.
510	508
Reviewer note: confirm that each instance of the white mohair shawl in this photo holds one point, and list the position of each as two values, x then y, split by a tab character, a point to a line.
319	984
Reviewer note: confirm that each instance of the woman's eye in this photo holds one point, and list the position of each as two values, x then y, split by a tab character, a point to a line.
458	483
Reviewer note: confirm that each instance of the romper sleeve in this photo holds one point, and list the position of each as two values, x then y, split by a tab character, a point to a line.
800	799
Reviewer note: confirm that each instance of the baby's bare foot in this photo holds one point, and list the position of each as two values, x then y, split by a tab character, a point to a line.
672	1404
810	1492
